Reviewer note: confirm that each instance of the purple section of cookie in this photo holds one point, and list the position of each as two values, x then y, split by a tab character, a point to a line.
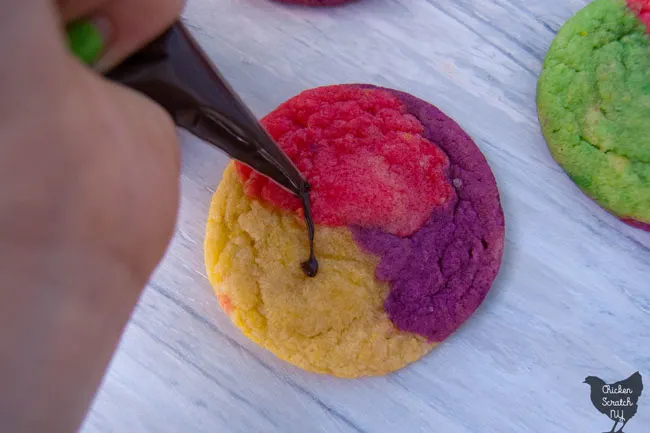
441	274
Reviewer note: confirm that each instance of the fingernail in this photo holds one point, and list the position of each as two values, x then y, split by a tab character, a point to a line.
87	39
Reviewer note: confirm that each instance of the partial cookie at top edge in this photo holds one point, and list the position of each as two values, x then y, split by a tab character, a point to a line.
593	106
315	2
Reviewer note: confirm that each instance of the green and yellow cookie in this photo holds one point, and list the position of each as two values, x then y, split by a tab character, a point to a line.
594	105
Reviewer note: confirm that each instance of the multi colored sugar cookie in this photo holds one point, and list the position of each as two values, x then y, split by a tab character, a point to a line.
594	105
316	2
409	233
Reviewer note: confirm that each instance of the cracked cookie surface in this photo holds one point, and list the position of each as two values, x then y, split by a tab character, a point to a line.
594	105
409	235
334	323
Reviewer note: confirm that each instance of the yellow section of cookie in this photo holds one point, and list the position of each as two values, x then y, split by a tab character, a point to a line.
334	323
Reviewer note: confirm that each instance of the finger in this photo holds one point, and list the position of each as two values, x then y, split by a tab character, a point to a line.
134	24
127	25
33	58
150	137
149	124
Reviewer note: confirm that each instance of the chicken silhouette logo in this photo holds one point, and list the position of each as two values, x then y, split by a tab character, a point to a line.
617	400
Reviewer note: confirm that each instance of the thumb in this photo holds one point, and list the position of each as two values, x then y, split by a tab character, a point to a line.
127	148
152	163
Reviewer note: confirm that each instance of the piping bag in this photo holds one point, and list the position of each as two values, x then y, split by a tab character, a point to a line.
175	72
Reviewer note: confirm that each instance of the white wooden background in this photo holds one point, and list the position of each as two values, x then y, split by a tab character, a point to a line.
572	298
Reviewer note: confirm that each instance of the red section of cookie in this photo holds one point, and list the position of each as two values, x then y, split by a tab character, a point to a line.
225	303
637	224
364	156
642	9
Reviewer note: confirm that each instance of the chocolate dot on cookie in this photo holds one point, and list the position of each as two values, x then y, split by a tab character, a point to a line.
409	233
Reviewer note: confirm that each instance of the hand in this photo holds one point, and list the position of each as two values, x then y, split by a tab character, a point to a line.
88	199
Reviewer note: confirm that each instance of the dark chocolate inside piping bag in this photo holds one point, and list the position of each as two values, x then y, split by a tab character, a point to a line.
176	73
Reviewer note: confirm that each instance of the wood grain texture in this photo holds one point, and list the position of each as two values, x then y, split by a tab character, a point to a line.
572	299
